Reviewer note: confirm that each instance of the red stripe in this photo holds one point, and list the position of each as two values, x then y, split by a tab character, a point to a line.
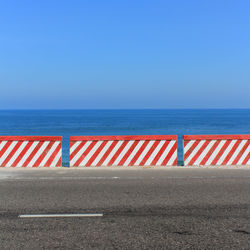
117	153
159	154
175	162
11	154
216	137
195	157
191	149
185	143
33	153
97	152
59	163
130	150
5	147
221	152
85	153
77	149
53	155
71	144
230	154
137	155
246	159
41	157
169	155
151	150
123	138
111	147
23	152
209	153
236	160
30	138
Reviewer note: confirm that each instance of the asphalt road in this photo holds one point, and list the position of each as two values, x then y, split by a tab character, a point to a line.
142	209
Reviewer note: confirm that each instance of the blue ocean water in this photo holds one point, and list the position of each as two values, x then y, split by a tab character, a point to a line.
124	122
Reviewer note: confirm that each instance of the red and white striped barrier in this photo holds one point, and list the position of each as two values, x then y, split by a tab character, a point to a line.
30	151
216	150
155	150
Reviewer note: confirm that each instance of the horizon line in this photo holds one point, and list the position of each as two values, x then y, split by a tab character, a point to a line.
34	109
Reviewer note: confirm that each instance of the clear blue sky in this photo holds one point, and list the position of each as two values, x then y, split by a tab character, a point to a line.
125	54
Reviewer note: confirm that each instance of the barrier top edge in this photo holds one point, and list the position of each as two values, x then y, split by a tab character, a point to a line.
123	137
30	138
216	137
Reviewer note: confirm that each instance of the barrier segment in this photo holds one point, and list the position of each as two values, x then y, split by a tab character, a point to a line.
30	151
155	150
216	150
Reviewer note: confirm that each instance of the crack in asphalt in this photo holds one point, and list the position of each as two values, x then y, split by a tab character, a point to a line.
182	233
241	231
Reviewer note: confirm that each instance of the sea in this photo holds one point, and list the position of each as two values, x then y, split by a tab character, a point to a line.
179	122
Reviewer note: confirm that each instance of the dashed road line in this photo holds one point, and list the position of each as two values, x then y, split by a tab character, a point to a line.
57	215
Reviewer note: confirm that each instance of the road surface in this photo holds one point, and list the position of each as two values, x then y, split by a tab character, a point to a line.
173	208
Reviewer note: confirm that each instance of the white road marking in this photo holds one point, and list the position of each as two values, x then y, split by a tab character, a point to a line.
14	178
57	215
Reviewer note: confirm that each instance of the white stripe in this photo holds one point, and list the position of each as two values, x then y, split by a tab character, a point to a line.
165	153
124	151
196	149
172	159
238	149
111	154
216	151
144	152
130	157
2	144
228	149
56	159
27	154
101	154
154	153
57	215
38	153
51	151
72	148
204	153
188	146
79	153
90	154
7	152
14	157
242	158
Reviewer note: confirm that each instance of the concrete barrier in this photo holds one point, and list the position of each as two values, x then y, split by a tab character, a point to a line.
216	150
145	150
30	151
